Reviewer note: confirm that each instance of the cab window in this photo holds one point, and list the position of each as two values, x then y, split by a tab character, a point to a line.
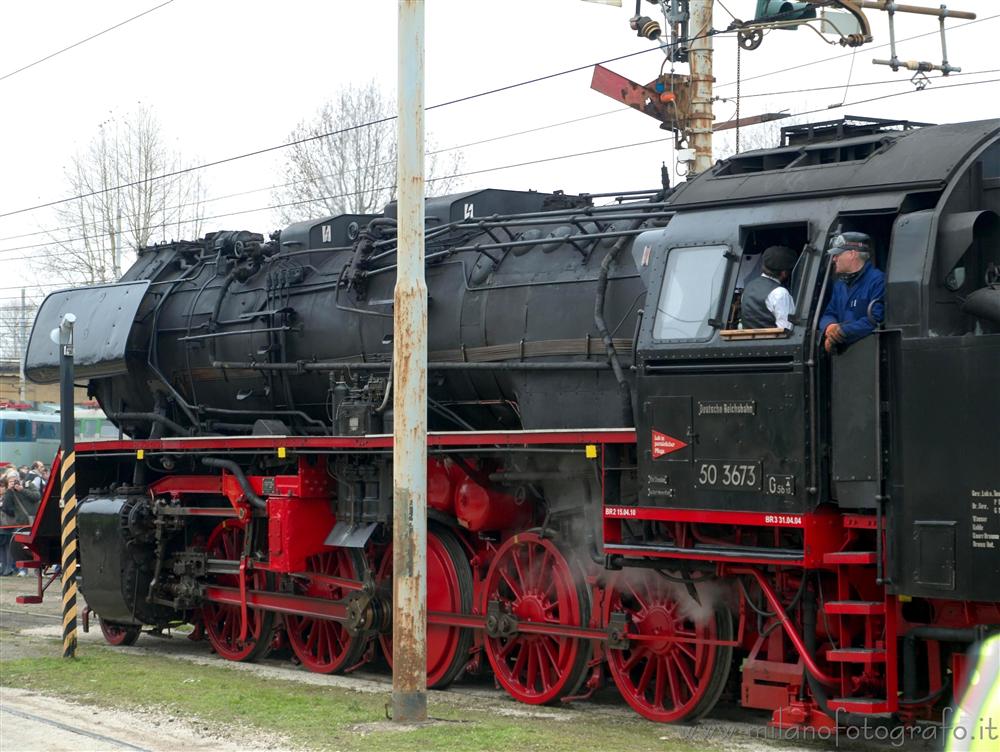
691	291
754	241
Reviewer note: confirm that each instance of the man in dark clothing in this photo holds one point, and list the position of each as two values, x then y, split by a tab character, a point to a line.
17	506
766	303
37	476
856	304
20	502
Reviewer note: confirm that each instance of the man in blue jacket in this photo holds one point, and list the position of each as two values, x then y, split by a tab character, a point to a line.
859	287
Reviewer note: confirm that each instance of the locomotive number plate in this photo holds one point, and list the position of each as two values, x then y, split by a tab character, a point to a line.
723	475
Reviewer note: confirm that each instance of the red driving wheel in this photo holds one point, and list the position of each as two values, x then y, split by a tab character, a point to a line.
322	645
449	590
532	581
119	634
667	673
222	621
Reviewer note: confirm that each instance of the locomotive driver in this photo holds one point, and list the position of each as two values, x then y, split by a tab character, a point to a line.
766	303
856	305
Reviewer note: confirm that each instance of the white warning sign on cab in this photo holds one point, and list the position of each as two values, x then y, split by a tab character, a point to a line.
664	444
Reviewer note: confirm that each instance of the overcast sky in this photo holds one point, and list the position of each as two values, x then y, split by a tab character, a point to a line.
231	76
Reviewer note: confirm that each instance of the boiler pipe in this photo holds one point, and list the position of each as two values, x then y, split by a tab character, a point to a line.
554	214
177	428
515	243
241	478
573	365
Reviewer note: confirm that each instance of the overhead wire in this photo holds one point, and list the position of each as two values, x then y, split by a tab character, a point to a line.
491	139
496	90
467	173
712	32
479	142
377	121
322	199
893	95
882	82
275	186
83	41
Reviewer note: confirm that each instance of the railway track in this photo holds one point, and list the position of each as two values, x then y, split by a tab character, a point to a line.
107	742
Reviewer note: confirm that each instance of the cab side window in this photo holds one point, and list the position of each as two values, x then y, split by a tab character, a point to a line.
754	241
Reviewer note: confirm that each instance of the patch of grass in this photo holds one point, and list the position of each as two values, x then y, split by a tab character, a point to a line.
316	717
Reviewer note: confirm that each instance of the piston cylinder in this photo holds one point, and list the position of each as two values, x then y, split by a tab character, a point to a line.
479	508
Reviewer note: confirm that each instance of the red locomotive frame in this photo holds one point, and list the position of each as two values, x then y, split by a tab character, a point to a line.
554	624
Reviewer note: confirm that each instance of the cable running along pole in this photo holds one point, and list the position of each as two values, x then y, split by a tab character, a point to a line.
409	384
700	122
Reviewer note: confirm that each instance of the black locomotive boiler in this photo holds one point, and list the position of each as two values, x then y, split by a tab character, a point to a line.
624	485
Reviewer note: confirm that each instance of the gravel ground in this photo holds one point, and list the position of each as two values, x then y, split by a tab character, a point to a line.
36	723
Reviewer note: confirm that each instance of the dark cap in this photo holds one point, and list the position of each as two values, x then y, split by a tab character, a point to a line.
779	258
850	241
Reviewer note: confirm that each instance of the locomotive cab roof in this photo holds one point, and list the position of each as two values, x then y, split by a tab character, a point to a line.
923	158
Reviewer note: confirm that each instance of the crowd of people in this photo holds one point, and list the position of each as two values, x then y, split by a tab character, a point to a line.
20	492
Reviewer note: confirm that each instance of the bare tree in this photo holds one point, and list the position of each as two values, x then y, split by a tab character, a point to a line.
16	318
124	202
353	169
760	136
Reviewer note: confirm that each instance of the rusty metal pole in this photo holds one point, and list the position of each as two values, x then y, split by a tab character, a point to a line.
409	358
699	132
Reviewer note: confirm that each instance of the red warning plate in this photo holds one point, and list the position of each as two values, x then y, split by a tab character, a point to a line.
665	444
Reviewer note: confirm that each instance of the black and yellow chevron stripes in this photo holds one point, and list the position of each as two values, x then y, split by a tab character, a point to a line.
69	553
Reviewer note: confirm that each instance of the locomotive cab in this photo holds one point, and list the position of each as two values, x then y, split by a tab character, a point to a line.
764	421
712	433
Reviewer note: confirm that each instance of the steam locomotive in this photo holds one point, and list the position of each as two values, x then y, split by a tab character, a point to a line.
624	485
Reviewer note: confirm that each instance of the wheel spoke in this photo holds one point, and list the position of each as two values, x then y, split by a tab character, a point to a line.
522	656
685	672
329	653
637	652
687	649
545	665
675	689
660	683
518	594
338	633
515	560
647	674
550	583
532	665
551	659
638	598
